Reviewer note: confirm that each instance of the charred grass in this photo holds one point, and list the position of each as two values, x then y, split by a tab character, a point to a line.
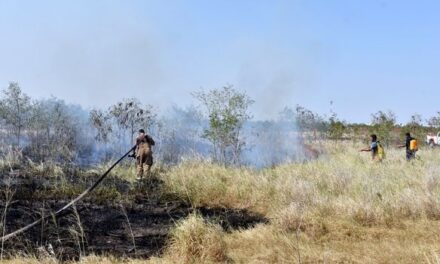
340	208
122	218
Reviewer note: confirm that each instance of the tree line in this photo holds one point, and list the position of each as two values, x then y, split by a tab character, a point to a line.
220	127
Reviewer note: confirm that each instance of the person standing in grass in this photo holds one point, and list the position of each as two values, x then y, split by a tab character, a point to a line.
143	154
376	149
410	145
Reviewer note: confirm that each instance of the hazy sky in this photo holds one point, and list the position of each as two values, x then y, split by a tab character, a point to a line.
364	56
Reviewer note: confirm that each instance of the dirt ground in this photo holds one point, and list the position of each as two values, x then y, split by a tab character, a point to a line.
134	227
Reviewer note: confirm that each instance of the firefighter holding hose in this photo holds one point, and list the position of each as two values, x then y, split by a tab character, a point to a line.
143	154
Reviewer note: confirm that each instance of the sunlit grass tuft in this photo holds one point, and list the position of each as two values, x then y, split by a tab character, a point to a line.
194	240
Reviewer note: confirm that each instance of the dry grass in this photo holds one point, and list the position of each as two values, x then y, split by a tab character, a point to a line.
341	208
345	182
45	169
10	159
196	241
86	260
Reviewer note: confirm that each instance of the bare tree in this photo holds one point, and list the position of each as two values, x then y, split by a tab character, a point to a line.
101	121
304	120
120	121
15	108
129	115
434	121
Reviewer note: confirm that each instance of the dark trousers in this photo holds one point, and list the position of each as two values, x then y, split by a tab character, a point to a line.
410	155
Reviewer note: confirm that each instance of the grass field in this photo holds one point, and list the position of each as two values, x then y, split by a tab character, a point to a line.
340	208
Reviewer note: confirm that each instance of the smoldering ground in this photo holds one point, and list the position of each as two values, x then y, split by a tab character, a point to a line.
136	226
59	143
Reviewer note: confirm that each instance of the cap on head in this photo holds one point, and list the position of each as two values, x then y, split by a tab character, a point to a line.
141	131
407	134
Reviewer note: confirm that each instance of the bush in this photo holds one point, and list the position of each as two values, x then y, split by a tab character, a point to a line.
196	241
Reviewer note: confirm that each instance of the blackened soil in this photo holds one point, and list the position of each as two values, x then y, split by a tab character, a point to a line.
136	226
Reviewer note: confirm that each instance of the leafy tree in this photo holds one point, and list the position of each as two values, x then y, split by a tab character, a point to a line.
382	125
336	128
53	131
15	109
415	126
227	111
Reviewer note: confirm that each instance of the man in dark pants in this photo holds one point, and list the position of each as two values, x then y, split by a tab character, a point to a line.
410	154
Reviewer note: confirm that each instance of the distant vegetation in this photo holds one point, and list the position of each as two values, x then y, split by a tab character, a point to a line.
221	127
340	207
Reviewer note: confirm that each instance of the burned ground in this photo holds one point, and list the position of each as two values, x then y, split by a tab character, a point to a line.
120	218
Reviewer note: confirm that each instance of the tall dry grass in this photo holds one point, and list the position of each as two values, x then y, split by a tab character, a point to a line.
196	241
340	208
343	182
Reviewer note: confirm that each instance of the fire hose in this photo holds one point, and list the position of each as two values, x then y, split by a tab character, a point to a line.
72	202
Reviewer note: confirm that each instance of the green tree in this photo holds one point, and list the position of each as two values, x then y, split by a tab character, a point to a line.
15	110
415	127
382	124
336	128
227	111
53	131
